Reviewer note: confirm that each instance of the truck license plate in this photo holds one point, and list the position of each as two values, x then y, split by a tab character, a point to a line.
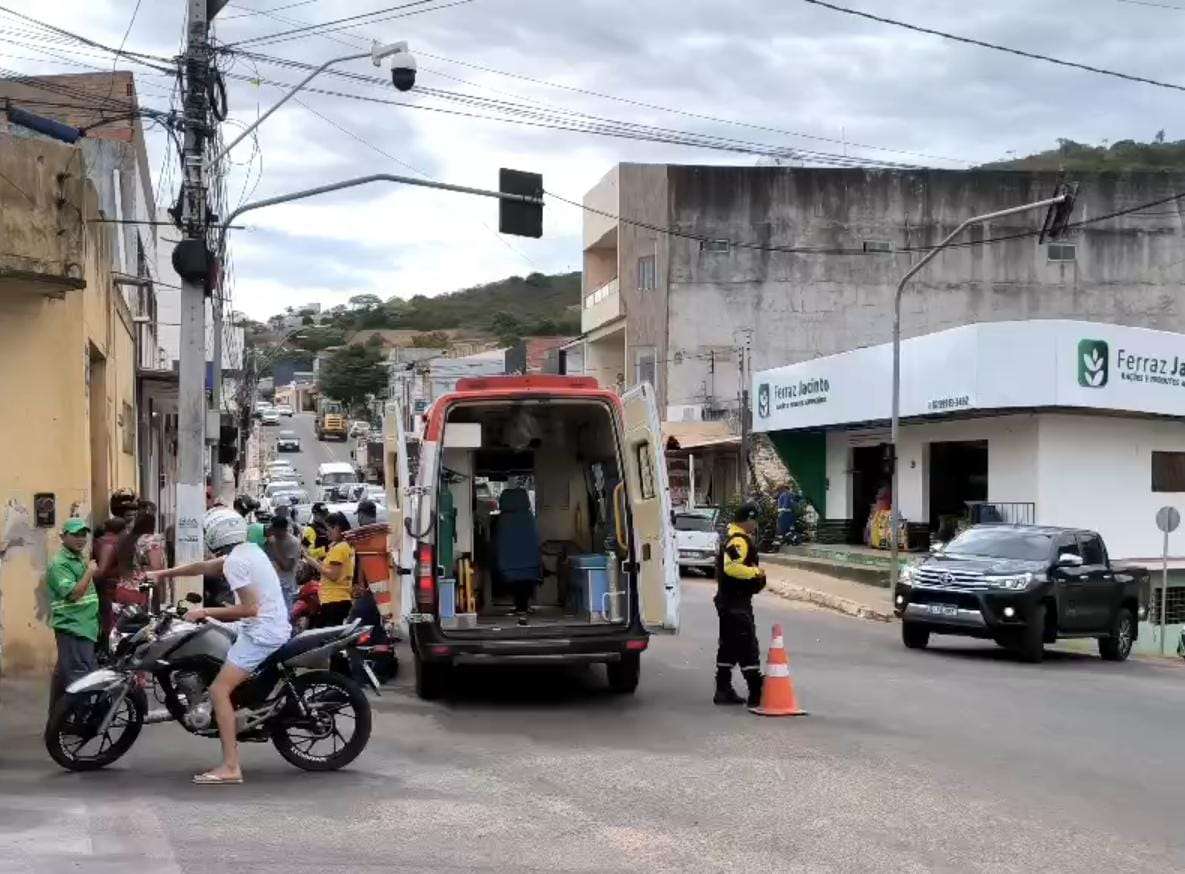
943	610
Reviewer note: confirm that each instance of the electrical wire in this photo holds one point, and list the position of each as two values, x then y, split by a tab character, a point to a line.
137	57
123	42
995	47
1154	5
248	11
686	113
599	126
328	26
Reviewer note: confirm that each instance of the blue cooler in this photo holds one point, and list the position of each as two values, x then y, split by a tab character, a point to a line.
446	592
588	585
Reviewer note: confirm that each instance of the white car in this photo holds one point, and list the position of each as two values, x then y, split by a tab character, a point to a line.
284	410
697	539
287	442
360	429
281	470
269	417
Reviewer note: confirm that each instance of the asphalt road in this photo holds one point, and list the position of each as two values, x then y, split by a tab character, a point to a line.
313	453
956	758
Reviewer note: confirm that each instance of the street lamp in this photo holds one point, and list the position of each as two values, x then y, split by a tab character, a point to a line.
1055	223
403	77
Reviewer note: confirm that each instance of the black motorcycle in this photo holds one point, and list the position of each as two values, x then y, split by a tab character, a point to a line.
317	719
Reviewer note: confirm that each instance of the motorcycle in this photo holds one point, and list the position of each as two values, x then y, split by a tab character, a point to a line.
317	719
376	658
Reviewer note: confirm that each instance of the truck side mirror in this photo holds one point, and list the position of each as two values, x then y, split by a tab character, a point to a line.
1069	559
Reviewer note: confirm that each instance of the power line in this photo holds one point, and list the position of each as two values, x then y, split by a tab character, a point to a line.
122	43
688	114
248	11
995	47
1154	5
136	57
570	120
328	26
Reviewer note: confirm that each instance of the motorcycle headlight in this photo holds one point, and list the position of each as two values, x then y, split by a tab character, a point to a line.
1014	583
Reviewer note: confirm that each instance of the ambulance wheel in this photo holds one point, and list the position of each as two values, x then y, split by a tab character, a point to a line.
624	675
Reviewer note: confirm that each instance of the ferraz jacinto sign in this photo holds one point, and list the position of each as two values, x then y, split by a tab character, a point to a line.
992	366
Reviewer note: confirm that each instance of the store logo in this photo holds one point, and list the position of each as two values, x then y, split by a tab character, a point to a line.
763	400
1093	356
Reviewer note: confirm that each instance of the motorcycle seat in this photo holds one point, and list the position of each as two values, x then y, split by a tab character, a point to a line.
314	638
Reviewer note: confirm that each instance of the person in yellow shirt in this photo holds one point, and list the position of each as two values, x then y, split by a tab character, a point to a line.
336	591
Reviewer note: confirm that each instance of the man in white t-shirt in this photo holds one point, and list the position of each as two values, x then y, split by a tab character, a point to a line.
263	622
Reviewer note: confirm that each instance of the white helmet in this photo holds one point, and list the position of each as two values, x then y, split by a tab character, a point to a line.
224	527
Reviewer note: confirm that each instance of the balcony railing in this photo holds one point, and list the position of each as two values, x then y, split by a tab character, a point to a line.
601	305
601	294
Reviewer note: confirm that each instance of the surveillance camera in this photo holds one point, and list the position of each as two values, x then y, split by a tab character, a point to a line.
403	71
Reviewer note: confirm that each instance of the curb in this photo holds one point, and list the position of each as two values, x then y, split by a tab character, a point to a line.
847	606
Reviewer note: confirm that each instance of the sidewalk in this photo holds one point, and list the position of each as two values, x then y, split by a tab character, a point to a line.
842	595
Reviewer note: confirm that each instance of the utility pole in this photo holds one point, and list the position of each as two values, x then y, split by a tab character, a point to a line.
746	351
192	261
215	440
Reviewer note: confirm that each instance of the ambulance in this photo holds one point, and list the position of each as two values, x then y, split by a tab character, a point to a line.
535	529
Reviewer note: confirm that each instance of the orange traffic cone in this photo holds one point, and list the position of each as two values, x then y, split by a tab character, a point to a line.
777	692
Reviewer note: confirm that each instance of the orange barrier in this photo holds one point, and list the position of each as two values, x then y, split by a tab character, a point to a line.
777	692
373	564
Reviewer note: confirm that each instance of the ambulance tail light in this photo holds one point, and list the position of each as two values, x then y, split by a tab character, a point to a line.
425	577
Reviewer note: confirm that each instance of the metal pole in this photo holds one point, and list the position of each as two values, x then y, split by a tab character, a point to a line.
691	481
1164	589
216	387
246	132
895	427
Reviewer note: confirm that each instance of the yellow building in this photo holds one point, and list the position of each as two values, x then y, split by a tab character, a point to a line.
68	372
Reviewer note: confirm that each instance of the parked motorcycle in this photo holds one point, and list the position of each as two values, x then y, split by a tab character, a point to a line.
318	720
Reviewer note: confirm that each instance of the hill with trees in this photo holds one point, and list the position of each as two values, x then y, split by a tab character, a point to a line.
1122	155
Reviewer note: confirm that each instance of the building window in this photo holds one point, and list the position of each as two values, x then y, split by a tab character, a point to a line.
1174	606
716	247
1168	471
645	367
647	278
1062	251
880	247
646	472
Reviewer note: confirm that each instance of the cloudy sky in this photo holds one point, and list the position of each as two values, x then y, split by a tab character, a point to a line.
835	80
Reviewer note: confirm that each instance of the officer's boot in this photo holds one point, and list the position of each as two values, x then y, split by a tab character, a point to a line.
725	694
754	679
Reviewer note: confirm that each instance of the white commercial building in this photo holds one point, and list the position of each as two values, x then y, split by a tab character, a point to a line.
1051	421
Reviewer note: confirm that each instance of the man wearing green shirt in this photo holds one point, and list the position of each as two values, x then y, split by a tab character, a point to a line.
74	608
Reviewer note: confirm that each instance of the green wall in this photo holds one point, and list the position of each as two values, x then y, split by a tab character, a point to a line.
805	453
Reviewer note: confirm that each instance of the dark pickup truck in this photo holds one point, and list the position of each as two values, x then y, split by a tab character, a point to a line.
1023	586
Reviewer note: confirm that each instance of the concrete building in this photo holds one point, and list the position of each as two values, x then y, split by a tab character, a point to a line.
68	364
1046	421
686	266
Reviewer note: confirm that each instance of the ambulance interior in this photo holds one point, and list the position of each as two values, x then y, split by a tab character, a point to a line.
526	501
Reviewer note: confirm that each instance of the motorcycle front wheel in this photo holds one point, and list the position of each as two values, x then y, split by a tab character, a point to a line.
72	736
336	729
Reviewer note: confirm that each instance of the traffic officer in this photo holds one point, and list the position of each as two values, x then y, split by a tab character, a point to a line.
738	579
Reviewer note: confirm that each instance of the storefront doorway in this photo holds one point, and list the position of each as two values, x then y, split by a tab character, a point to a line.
958	473
870	475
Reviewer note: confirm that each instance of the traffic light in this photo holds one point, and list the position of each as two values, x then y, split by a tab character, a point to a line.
516	216
1057	218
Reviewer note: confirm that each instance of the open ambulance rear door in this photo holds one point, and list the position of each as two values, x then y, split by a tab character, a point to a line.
396	483
649	496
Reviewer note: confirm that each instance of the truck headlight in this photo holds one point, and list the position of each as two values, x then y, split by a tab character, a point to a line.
1012	583
905	575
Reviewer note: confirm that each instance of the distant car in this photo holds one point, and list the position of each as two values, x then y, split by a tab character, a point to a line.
284	410
287	442
269	417
697	539
360	429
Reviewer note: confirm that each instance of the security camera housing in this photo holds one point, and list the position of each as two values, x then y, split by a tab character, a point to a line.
403	71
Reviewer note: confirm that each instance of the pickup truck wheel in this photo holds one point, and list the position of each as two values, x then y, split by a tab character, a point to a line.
914	636
1118	646
1030	644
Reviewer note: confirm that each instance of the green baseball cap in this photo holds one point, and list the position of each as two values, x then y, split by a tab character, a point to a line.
76	526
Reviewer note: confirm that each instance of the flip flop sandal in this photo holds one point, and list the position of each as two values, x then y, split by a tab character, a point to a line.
211	779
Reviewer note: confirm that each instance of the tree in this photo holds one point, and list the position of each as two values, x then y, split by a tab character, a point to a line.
506	328
352	373
306	320
366	301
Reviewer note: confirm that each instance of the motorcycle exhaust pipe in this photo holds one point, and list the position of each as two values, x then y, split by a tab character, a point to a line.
153	717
